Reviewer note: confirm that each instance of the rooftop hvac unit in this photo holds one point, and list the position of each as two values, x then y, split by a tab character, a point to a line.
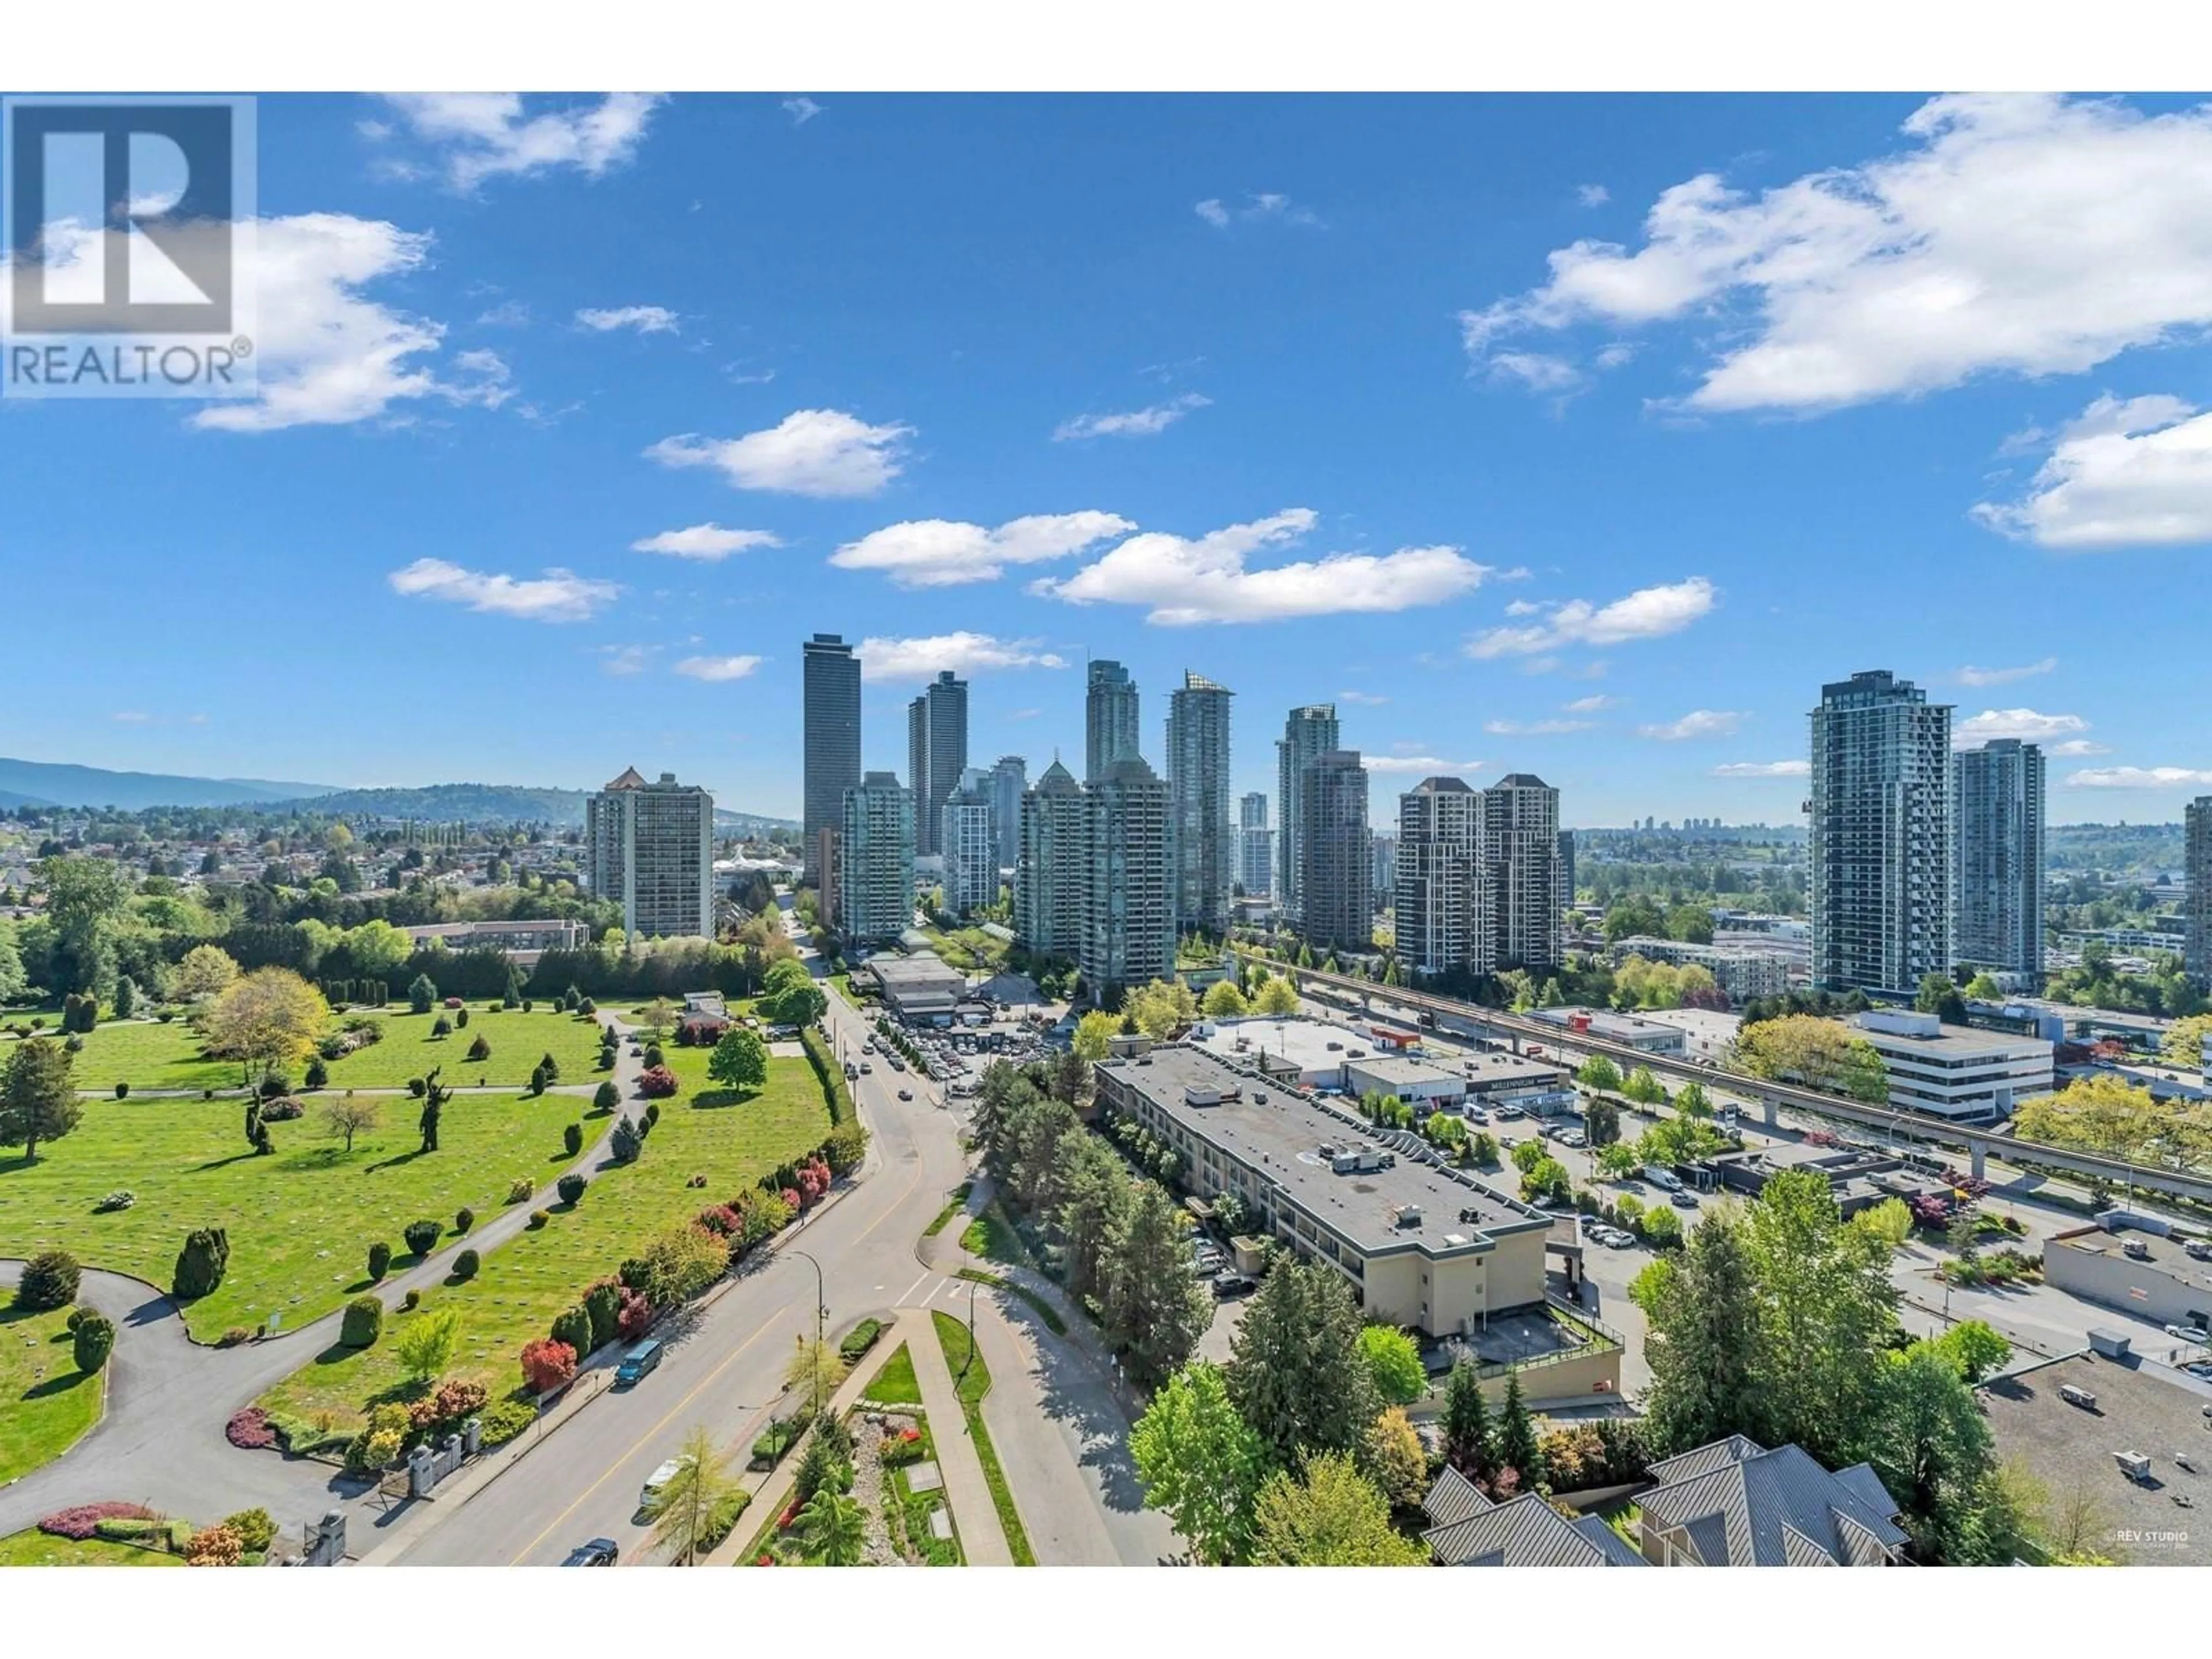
2134	1464
2077	1396
1409	1215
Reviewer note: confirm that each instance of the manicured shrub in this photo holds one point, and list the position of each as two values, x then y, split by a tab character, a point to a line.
318	1074
273	1084
572	1138
217	1546
574	1327
861	1338
464	1218
410	1302
81	1521
652	1113
546	1365
654	1056
363	1323
657	1083
123	1091
480	1049
603	1301
49	1280
521	1190
250	1429
201	1263
636	1317
570	1187
504	1419
461	1020
121	1199
465	1265
236	1336
442	1027
254	1528
421	1237
550	1066
605	1097
94	1340
625	1144
76	1317
379	1259
588	1008
539	1217
283	1110
538	1080
418	1087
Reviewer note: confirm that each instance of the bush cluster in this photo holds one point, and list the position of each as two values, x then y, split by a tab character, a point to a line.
465	1264
81	1521
363	1322
49	1280
570	1187
421	1237
250	1429
121	1199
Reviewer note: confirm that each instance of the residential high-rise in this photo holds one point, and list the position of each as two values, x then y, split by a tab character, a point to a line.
652	846
1382	873
970	850
1440	901
2196	869
831	736
1255	847
1878	887
875	857
1052	877
1198	781
1109	718
1129	936
936	754
1520	853
1996	793
1308	732
1567	868
1010	779
1336	857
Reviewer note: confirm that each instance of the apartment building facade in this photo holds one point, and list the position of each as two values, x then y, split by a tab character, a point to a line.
1198	781
937	754
1336	911
1997	798
831	738
875	856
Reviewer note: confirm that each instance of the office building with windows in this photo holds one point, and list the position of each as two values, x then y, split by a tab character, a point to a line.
1879	849
1335	854
875	857
1109	718
652	846
1307	733
1997	798
936	754
831	742
1255	847
1197	782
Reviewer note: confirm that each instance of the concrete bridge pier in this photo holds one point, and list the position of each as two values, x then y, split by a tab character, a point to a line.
1770	1112
1981	1157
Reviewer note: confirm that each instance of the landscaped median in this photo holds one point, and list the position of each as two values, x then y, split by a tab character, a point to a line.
46	1404
971	1378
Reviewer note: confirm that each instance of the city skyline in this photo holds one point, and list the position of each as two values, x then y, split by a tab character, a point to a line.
1562	533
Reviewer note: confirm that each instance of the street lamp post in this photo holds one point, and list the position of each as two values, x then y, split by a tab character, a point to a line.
821	1313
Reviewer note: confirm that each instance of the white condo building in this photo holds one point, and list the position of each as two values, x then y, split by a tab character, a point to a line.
652	846
1521	847
875	860
1129	936
1052	877
968	843
1440	900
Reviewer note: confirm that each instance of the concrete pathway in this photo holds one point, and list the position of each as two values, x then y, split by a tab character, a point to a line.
160	1439
982	1540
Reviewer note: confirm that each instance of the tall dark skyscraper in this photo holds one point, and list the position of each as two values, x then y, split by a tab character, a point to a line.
1996	793
831	741
937	754
1336	854
1198	784
1308	734
1109	718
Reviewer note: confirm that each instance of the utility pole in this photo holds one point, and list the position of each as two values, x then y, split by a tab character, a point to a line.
821	1313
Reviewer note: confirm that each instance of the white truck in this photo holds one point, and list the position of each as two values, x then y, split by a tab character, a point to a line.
1661	1177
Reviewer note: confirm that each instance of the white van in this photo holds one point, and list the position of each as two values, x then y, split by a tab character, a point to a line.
658	1481
1663	1179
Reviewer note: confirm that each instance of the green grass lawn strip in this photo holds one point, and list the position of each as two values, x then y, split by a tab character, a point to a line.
952	1336
45	1402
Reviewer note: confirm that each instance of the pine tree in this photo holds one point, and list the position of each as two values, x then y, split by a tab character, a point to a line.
1703	1306
1296	1371
1468	1434
1155	1311
1516	1435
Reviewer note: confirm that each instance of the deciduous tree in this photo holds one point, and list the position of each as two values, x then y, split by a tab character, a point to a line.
684	1509
1394	1360
347	1115
739	1061
1199	1463
38	1096
1328	1515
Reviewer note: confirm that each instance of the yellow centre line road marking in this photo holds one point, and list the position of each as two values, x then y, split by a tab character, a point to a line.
674	1411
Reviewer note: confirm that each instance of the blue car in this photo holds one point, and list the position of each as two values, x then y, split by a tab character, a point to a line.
637	1362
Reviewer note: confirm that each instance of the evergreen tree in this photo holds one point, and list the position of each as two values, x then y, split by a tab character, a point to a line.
1468	1434
1155	1311
1703	1342
38	1099
1093	1210
422	993
1296	1371
1516	1435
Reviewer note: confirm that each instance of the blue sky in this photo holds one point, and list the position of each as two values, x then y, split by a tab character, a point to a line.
1585	436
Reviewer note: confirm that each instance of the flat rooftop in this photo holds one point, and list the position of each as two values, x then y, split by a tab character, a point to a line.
2165	1254
2140	1407
923	968
1488	1073
1952	1043
1304	1042
1397	1068
1282	1141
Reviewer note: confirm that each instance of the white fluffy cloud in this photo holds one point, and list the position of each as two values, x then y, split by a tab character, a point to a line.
2140	777
483	135
1698	723
2025	724
1185	581
1363	698
962	652
810	452
1647	614
944	553
1265	207
1596	705
646	319
801	110
1148	422
1423	765
2026	234
558	596
1535	728
2136	473
1781	768
717	669
2005	676
708	542
327	354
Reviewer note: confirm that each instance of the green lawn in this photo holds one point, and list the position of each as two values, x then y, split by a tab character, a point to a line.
148	1054
957	1203
895	1385
992	1237
45	1402
37	1549
300	1222
952	1337
525	1283
970	950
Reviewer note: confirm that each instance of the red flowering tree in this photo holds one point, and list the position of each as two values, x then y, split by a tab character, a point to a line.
546	1365
657	1083
636	1314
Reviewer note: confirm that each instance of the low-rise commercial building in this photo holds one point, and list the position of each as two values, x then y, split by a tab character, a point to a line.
1951	1071
918	989
1412	1081
1647	1035
1423	1247
525	941
2134	1270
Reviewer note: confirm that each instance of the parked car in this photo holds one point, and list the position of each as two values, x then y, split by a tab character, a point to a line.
1507	1114
1683	1198
657	1482
1228	1284
2188	1333
906	1094
1476	1115
599	1553
638	1362
867	1066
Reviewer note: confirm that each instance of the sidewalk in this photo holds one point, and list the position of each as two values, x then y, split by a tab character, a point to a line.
981	1540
